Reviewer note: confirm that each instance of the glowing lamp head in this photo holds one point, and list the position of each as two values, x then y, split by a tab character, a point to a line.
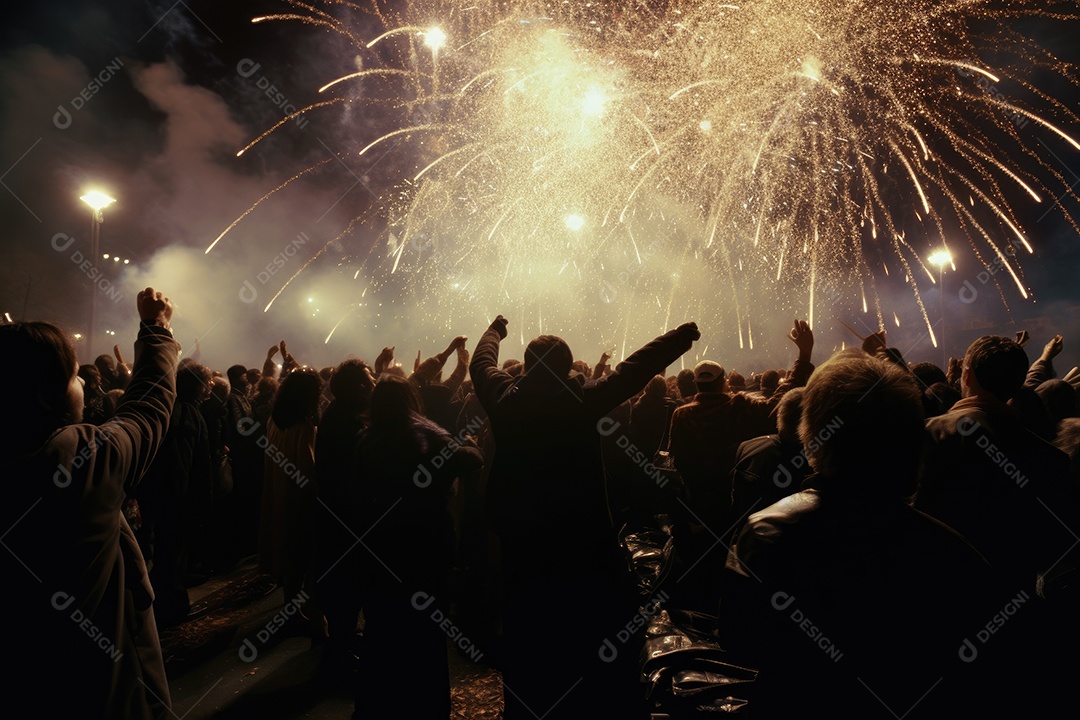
434	38
941	258
97	200
575	222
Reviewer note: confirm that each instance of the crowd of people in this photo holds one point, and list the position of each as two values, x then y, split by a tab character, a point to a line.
873	536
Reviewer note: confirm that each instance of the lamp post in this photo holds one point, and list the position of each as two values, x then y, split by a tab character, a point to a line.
97	201
941	258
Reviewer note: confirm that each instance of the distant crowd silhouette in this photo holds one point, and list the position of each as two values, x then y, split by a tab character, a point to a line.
869	537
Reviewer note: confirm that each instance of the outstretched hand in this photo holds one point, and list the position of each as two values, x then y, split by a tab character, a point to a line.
1053	348
803	337
1022	337
499	325
272	351
154	308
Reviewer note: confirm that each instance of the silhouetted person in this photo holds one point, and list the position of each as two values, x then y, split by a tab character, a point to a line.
547	502
79	599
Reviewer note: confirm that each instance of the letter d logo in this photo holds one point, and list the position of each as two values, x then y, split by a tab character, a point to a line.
422	600
782	600
968	293
782	477
607	427
422	477
64	238
247	67
62	118
62	601
248	293
968	652
248	651
608	652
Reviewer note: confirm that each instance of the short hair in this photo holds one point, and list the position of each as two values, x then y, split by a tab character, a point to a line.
235	373
351	382
684	382
1059	398
394	401
860	413
770	380
37	363
928	373
999	364
552	352
789	413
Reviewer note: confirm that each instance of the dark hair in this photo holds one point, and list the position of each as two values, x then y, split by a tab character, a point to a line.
939	398
998	363
297	399
770	380
928	373
684	382
393	402
736	381
38	362
552	353
1059	398
191	378
235	373
351	383
91	376
859	413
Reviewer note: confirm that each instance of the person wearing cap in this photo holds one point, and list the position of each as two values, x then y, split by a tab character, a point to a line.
706	432
547	500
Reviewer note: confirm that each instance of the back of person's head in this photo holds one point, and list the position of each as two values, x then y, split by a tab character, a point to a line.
736	382
219	387
581	367
655	389
91	376
1033	413
193	382
939	398
548	357
38	364
509	363
352	383
927	373
863	424
789	413
1059	398
297	399
237	375
394	401
326	373
709	376
254	375
684	382
770	380
998	364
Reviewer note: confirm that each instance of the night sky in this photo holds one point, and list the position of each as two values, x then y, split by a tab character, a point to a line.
151	101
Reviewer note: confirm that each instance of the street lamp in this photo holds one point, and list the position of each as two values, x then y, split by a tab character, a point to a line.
941	258
97	201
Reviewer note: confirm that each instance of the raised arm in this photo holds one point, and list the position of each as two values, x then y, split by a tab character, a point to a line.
635	371
461	370
269	368
131	438
489	382
1043	368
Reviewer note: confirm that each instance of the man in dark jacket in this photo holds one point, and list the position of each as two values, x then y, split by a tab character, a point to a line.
547	499
81	619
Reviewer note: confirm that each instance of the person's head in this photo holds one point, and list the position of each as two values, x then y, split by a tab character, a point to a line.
44	391
1059	398
107	367
238	378
326	373
927	373
219	388
548	357
91	378
770	380
939	398
352	383
684	382
709	376
254	375
655	390
394	401
862	424
193	382
1033	413
111	402
297	399
789	413
736	382
994	365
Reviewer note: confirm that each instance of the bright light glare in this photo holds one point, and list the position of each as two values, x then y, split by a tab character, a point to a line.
575	222
594	103
435	38
705	125
97	200
941	258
